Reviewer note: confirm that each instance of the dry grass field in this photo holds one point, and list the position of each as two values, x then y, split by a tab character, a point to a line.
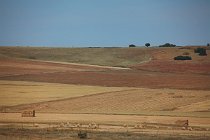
20	92
145	86
98	56
139	101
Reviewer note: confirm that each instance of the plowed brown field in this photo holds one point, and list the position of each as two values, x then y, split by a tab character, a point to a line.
26	70
163	61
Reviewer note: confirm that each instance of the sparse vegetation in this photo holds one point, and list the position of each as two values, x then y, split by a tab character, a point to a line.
167	45
63	134
182	58
82	135
201	51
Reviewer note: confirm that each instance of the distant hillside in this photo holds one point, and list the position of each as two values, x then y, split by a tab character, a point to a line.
122	57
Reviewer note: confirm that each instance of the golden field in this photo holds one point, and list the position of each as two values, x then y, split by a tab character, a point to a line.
22	92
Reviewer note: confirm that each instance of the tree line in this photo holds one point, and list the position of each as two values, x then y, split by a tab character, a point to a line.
164	45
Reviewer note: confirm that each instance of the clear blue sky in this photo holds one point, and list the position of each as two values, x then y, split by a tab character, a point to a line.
104	22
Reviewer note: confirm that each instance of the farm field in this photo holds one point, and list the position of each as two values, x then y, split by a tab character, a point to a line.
108	86
141	101
162	61
20	92
151	76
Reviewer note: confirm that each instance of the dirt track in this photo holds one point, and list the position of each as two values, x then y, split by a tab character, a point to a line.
87	65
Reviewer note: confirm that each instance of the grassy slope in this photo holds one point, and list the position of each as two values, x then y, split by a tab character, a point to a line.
99	56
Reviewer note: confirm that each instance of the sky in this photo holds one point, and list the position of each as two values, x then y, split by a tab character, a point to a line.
107	23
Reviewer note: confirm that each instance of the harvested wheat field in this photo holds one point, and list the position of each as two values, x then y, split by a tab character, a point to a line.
117	96
20	92
127	101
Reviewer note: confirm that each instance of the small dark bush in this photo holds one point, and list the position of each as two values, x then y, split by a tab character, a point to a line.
167	45
132	45
82	135
182	58
201	51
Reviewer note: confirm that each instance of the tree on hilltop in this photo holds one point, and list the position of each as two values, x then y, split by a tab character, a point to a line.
132	45
147	44
167	45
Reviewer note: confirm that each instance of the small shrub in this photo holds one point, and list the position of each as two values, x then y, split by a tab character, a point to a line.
182	58
132	45
201	51
167	45
82	135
